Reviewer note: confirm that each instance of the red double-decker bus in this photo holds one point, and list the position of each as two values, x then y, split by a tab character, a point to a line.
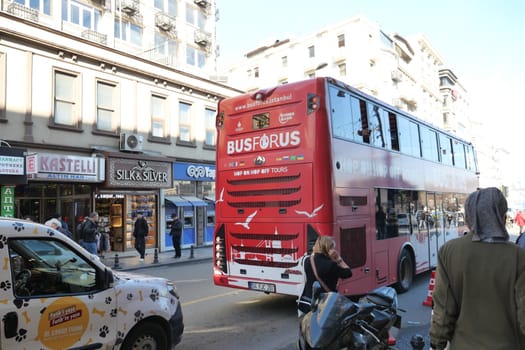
319	157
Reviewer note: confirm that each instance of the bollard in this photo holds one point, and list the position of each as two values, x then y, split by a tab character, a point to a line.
191	252
156	256
117	265
417	342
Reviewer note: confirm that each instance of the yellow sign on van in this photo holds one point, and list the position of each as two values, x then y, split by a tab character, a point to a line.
63	323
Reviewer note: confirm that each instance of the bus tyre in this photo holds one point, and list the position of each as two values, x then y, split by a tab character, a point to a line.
405	272
147	335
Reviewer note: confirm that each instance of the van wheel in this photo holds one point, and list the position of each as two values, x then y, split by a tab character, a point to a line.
405	272
147	335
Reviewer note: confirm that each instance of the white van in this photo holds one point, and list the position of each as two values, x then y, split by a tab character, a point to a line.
55	295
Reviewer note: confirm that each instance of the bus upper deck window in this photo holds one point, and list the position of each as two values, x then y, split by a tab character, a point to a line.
261	121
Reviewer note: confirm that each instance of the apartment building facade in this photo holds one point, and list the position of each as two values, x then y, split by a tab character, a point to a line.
403	71
113	104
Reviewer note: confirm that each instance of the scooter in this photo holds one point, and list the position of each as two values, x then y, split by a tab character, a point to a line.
335	322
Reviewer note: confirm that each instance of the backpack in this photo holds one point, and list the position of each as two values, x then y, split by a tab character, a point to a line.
80	229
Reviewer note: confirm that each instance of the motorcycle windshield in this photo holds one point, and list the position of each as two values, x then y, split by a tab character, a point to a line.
324	323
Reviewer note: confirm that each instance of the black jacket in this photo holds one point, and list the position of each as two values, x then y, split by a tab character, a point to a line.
141	228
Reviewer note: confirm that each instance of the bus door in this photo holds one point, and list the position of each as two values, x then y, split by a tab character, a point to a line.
353	230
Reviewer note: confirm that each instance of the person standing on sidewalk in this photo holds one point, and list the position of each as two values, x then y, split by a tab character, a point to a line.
140	232
90	233
176	234
479	291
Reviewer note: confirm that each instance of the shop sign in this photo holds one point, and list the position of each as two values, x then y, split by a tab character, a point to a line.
12	166
194	172
62	167
139	173
7	201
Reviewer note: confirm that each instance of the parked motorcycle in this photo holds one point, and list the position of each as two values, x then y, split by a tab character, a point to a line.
335	322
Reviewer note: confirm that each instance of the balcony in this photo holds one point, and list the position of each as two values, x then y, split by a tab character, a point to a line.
95	36
164	22
202	3
22	11
129	7
202	38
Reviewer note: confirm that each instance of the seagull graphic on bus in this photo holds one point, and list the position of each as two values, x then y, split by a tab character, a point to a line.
221	197
312	214
246	223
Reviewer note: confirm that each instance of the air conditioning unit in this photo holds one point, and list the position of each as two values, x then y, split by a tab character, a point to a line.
397	76
129	7
131	142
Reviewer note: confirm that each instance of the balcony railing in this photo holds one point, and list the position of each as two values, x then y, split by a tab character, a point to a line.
22	11
95	36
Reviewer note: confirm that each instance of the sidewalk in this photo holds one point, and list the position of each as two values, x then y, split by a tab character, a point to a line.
129	260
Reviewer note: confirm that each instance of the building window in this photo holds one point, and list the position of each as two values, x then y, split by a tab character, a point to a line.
201	20
129	32
107	118
342	69
341	40
190	15
311	51
158	116
184	122
284	61
167	6
209	117
195	57
165	46
81	14
66	99
249	73
43	6
256	72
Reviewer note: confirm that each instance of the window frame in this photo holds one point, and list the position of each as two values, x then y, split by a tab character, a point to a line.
76	115
185	124
114	109
161	119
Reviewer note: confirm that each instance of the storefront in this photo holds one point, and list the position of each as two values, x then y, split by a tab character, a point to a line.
61	184
133	185
193	199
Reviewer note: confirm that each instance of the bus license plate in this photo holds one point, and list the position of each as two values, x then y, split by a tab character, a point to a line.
264	287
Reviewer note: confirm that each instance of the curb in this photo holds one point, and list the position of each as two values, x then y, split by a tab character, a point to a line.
147	265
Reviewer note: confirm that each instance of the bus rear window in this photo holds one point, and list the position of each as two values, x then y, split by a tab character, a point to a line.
261	121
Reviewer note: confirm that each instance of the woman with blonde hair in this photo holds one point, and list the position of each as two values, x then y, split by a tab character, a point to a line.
324	265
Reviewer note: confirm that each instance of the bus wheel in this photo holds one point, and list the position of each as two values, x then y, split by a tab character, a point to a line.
405	272
147	335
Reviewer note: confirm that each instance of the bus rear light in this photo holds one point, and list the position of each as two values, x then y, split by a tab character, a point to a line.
313	103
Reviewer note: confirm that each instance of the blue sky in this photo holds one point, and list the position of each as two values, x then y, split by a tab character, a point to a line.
482	41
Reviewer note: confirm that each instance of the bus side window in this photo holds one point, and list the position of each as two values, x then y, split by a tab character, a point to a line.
408	137
341	115
364	132
459	154
445	144
392	123
429	144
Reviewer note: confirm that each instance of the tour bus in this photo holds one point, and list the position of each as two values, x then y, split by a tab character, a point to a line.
319	157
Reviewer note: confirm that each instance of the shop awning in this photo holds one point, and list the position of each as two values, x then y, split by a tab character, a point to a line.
197	202
178	201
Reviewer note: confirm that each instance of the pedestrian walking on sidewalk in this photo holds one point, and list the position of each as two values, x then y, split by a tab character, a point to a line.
140	231
176	234
479	291
520	220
